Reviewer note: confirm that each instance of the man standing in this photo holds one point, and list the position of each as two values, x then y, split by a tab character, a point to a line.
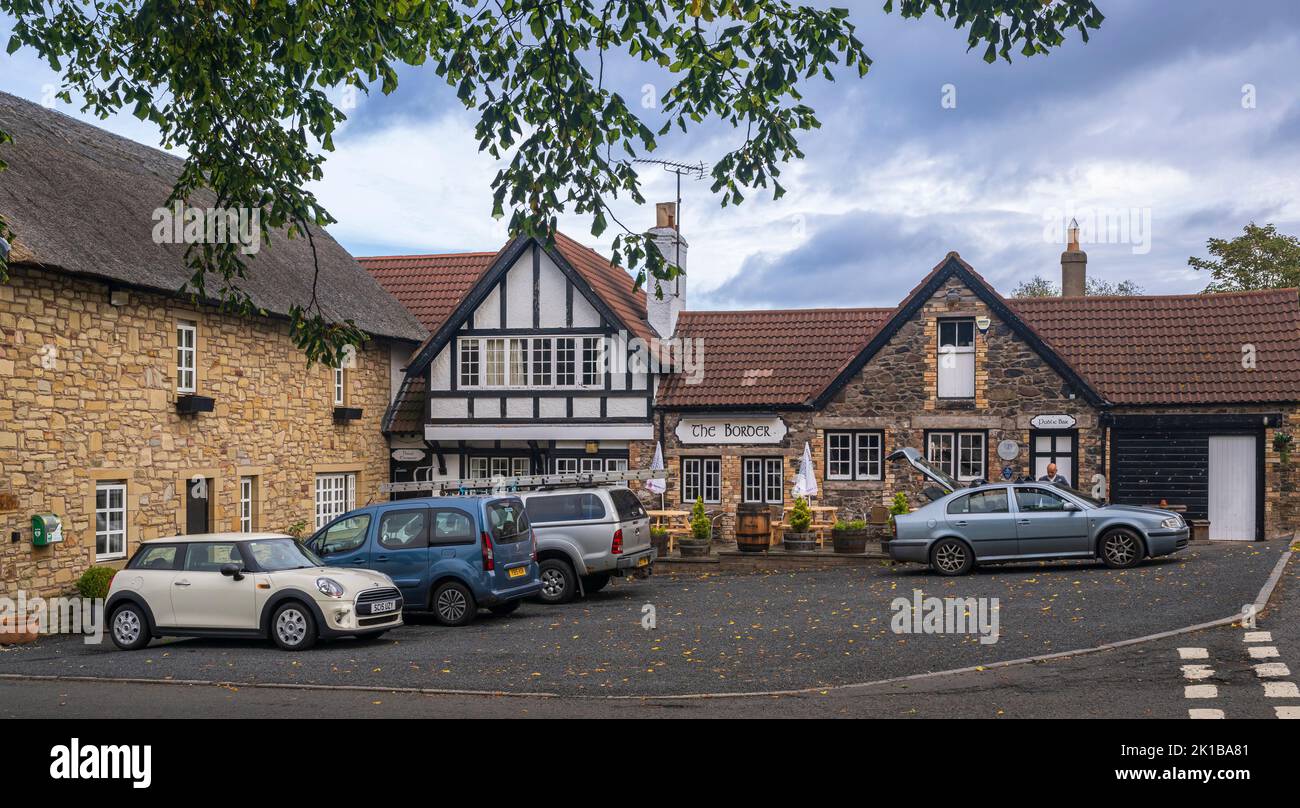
1052	477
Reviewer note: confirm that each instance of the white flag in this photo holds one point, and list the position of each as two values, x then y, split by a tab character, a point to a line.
805	482
657	485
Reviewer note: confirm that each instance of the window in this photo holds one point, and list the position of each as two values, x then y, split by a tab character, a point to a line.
764	479
508	521
957	358
854	455
566	465
839	456
155	557
500	467
478	468
247	504
960	454
520	466
701	479
615	464
565	508
404	530
336	494
469	363
340	386
592	464
628	506
110	521
991	501
542	362
186	342
1036	500
565	363
345	536
494	363
592	350
212	556
452	527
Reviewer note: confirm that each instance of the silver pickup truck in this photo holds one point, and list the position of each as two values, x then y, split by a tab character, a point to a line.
585	536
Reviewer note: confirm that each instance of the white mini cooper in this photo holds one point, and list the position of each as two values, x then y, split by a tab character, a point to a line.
245	585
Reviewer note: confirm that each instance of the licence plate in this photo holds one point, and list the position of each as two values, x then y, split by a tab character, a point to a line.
518	572
643	561
381	606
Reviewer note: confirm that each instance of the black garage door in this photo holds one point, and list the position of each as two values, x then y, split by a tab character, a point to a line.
1171	465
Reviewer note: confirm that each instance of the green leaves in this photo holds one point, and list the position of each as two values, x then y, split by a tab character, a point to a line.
242	87
1260	258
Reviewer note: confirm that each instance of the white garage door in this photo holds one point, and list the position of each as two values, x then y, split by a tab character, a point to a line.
1232	487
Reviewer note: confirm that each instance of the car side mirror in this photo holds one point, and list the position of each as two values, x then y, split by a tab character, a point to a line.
1070	506
233	571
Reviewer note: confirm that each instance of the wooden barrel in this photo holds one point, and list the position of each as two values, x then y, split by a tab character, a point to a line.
753	527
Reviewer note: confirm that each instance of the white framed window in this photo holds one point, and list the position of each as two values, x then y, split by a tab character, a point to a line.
478	468
839	455
520	466
615	464
854	455
764	480
186	354
500	466
494	363
587	464
469	363
542	376
340	386
247	504
566	465
565	363
956	358
701	479
592	361
110	520
336	494
961	454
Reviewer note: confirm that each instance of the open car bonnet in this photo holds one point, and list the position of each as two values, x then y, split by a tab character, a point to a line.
942	480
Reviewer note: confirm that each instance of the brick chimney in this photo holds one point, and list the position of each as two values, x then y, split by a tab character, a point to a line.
662	307
1074	266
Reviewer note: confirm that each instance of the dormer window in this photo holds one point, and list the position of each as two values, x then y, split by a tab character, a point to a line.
531	362
957	358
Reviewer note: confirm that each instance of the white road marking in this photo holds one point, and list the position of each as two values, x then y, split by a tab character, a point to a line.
1272	670
1258	636
1281	690
1201	691
1202	712
1262	651
1195	672
1193	653
1287	712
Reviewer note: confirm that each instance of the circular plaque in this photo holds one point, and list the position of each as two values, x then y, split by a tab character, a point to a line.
1008	450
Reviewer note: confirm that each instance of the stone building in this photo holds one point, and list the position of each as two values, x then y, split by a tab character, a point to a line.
1177	399
131	411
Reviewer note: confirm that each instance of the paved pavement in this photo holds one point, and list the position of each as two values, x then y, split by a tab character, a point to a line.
730	634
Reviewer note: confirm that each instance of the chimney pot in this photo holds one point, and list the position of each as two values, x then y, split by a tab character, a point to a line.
666	214
1074	265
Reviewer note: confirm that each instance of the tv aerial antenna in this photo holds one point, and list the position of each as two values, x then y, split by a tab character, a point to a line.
695	171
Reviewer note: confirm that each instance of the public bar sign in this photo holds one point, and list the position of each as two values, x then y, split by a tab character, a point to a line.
740	430
1061	421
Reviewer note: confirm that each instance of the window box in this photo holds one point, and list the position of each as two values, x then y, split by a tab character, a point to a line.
190	405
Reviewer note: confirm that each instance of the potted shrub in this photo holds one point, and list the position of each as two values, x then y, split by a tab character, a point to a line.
898	507
659	540
94	583
850	537
798	539
701	533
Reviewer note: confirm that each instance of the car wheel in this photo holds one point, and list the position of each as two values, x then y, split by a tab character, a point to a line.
557	581
453	604
1121	548
594	583
951	557
130	627
293	627
503	609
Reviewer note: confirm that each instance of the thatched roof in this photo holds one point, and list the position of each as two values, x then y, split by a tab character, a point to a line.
81	200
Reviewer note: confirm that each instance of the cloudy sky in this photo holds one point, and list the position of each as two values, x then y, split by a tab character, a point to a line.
1177	122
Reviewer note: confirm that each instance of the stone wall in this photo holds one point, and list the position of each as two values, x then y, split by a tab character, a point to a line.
88	392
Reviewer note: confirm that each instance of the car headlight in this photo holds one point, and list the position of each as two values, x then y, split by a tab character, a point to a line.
329	587
1172	523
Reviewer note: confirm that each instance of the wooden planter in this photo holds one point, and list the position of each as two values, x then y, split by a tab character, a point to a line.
799	542
14	631
753	527
850	542
692	548
660	543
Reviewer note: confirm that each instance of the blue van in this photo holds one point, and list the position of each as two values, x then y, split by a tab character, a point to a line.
448	555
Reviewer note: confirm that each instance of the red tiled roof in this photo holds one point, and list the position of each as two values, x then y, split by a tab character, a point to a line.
1177	349
430	286
771	357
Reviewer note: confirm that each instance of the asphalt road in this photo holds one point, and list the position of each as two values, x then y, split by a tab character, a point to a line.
723	634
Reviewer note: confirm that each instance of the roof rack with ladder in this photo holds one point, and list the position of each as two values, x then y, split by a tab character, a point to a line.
527	482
